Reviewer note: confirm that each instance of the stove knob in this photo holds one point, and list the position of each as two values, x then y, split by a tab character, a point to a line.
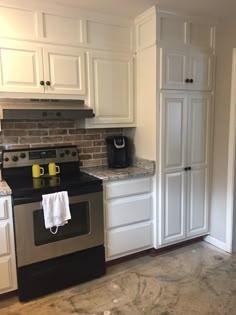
74	153
67	152
15	158
22	155
62	155
6	159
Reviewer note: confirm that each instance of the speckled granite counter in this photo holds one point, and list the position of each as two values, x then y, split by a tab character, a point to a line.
4	189
140	168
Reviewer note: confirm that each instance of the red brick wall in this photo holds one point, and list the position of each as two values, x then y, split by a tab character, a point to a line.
90	142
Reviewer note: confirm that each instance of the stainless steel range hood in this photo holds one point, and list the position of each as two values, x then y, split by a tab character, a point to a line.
46	109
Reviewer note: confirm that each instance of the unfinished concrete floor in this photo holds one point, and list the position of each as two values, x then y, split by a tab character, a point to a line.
196	279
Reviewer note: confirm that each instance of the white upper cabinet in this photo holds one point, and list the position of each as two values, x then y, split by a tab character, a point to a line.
111	88
64	71
21	68
179	30
52	23
30	68
186	69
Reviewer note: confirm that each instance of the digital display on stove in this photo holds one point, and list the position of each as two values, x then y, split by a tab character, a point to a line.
42	154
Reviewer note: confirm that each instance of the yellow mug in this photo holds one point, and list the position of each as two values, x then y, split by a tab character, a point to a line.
53	169
37	171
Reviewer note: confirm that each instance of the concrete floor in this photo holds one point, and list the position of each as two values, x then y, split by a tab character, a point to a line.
196	279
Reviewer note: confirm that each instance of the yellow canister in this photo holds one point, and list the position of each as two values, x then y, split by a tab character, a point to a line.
53	169
37	171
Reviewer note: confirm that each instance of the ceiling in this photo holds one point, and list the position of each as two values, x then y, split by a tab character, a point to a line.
132	8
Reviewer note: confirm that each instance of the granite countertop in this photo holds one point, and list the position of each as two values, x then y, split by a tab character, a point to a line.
140	168
4	189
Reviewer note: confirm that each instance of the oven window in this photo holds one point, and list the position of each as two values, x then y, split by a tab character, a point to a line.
78	225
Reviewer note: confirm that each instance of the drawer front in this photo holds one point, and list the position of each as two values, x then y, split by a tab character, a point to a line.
4	238
128	187
122	240
3	209
5	274
128	210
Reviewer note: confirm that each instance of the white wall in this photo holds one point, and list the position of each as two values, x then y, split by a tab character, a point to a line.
225	42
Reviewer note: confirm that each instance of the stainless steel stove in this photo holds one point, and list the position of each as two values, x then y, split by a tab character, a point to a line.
48	262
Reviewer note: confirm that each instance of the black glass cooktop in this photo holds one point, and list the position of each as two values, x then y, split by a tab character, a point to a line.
26	187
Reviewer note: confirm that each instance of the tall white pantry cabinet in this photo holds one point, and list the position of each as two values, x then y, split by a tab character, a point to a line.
175	76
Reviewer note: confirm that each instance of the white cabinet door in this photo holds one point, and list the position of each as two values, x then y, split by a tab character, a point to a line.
173	204
174	72
6	278
185	157
186	69
198	159
173	217
8	281
64	71
200	67
111	87
21	68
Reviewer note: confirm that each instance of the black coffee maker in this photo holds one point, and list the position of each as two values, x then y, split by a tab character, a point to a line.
118	151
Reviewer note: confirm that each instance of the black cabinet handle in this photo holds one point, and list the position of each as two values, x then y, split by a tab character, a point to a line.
191	81
188	168
187	80
41	82
48	83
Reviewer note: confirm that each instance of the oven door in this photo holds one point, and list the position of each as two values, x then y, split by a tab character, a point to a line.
34	243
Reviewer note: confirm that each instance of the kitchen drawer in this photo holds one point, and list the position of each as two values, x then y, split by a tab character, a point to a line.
5	273
3	209
128	210
129	187
129	239
4	238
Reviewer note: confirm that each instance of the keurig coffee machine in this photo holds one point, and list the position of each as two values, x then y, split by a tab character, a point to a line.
118	151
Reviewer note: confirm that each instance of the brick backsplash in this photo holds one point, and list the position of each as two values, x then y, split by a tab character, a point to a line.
90	142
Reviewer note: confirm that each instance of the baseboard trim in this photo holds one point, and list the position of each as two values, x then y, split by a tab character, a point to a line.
217	243
163	250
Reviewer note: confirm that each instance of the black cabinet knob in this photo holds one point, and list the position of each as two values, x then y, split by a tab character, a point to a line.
6	159
58	114
187	80
41	82
191	81
48	83
188	168
22	155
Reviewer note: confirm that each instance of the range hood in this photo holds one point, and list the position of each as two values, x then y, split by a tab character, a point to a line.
46	109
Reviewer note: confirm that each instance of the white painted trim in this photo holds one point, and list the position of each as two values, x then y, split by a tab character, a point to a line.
217	243
231	159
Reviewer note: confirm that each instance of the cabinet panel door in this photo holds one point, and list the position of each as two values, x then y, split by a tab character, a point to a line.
5	274
173	107
173	215
21	69
201	35
111	87
65	70
197	214
174	68
4	238
198	130
200	70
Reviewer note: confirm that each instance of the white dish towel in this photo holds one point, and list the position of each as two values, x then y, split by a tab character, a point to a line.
56	210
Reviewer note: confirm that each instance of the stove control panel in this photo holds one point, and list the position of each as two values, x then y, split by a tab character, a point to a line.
28	157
